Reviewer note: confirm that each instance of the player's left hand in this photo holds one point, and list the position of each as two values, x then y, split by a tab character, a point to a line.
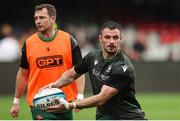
51	85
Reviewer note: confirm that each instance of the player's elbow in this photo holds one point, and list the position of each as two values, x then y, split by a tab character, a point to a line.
69	76
100	103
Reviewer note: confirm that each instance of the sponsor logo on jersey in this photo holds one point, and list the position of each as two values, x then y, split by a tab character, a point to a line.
99	75
49	61
124	68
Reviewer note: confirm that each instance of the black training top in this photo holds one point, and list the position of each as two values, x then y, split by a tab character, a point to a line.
118	73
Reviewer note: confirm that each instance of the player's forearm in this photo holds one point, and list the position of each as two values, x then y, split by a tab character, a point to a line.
20	87
96	100
21	82
92	101
67	77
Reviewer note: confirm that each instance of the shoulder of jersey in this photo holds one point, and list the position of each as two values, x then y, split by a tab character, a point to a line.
94	52
32	37
63	32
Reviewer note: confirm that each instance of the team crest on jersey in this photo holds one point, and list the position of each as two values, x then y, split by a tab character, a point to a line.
96	62
49	61
109	69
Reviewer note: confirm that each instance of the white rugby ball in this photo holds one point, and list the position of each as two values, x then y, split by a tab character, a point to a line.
47	97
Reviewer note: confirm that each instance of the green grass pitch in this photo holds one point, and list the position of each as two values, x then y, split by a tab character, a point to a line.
157	106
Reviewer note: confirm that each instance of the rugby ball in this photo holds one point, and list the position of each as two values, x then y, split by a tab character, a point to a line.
48	97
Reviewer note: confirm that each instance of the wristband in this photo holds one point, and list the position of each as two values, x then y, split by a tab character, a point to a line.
16	100
74	105
80	96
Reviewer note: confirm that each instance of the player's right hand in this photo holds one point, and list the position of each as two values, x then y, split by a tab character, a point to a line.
51	85
14	110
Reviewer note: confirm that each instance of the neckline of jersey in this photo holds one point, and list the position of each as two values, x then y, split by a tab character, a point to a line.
47	39
112	59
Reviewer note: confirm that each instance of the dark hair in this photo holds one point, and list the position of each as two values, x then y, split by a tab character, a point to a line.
110	25
50	8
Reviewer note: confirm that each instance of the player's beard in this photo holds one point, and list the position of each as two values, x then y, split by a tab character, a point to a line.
111	50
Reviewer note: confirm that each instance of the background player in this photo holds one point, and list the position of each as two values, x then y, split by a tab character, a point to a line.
45	56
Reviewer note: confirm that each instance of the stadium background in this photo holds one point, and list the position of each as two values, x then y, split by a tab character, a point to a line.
157	70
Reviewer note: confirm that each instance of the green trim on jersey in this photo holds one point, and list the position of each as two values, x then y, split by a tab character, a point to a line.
47	39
